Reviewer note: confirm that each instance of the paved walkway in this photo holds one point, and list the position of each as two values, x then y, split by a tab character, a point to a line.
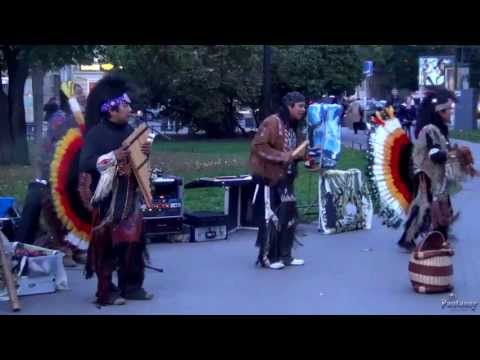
358	272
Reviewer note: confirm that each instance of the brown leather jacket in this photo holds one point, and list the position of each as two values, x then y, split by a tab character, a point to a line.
269	152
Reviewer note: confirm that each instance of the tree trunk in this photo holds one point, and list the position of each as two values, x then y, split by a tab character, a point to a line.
213	130
6	132
17	74
37	90
56	83
230	123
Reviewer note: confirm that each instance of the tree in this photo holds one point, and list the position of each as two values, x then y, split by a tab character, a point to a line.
398	64
221	77
49	57
14	148
315	69
18	60
202	84
198	84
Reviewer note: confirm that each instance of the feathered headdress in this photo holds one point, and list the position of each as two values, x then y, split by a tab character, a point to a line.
64	176
389	168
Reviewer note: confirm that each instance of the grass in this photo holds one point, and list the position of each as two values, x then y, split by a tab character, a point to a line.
205	146
467	135
14	181
193	159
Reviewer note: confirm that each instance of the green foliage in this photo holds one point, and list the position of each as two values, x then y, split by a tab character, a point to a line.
198	84
49	56
17	61
202	85
317	69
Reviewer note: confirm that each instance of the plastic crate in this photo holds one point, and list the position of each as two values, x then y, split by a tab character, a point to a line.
5	204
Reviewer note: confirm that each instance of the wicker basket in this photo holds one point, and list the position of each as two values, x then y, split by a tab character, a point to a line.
430	267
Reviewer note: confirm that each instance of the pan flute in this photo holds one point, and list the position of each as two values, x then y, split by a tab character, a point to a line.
139	162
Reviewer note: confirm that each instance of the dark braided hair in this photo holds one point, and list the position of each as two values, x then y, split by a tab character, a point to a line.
427	114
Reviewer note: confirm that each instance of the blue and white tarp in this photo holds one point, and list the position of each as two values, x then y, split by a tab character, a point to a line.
324	132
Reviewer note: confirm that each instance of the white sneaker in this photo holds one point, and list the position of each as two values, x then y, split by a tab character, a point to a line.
297	262
277	265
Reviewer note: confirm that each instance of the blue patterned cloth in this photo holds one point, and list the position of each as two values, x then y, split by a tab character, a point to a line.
324	130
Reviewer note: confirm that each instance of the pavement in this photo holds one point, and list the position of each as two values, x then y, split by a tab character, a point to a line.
357	141
354	273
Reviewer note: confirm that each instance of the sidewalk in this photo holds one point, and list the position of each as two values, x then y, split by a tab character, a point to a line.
357	141
360	272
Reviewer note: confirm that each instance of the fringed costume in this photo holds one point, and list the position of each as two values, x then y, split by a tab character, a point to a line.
410	182
271	161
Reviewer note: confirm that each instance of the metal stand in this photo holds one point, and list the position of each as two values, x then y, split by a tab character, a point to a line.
314	204
311	205
238	222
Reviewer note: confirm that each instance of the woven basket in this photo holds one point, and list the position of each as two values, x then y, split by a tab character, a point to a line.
430	267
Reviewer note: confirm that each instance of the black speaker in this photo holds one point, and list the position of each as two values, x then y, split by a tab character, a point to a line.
466	110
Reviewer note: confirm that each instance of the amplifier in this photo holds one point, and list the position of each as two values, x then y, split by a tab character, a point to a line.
208	233
207	225
154	226
165	217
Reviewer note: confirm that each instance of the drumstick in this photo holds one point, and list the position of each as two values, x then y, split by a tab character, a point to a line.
153	268
255	194
300	149
7	274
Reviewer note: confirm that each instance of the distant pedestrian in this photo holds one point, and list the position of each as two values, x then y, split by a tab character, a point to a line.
407	114
354	116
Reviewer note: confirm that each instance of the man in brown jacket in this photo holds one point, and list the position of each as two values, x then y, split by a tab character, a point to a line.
273	166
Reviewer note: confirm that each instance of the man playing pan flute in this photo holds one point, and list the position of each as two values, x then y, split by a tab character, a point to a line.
116	241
